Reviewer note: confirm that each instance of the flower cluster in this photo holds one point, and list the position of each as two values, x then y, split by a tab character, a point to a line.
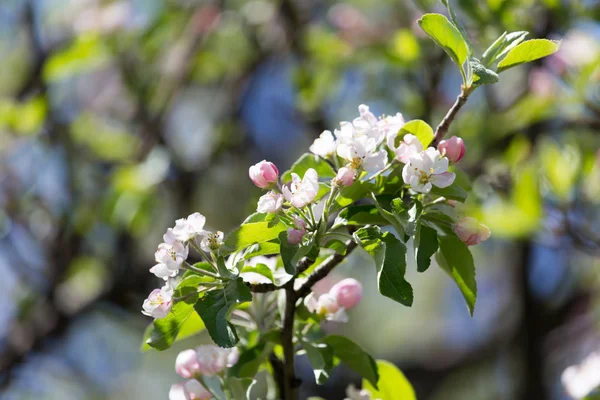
171	256
193	364
332	305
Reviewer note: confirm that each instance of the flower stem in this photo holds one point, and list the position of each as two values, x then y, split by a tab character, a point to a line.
190	267
443	127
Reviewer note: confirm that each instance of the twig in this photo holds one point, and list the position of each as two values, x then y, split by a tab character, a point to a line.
443	127
287	342
325	268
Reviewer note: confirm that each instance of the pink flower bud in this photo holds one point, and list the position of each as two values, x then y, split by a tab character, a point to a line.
345	177
347	293
453	148
263	174
470	231
295	235
186	364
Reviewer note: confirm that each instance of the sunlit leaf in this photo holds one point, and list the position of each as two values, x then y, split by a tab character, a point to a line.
392	384
528	51
455	258
446	35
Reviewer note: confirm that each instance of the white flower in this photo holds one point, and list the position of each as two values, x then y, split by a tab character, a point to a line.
159	302
190	227
409	147
326	306
580	380
361	152
391	125
353	393
211	241
366	125
270	202
426	169
324	145
300	192
169	256
214	359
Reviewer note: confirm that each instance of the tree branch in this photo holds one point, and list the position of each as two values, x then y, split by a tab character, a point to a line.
443	127
287	342
324	269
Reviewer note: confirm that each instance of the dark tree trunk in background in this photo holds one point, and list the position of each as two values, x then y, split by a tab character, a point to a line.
531	334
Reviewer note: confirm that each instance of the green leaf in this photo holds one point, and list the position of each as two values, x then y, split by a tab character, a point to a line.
223	270
392	218
455	258
446	35
251	233
501	46
249	362
290	254
506	44
213	384
164	331
181	322
262	249
389	255
321	360
528	51
354	357
350	194
452	192
391	280
483	76
420	129
393	385
261	269
307	161
360	215
240	387
215	307
426	245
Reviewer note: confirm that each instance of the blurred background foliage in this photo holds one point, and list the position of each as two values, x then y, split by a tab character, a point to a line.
117	117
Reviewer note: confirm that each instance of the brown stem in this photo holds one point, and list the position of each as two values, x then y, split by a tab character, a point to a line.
325	268
287	342
443	127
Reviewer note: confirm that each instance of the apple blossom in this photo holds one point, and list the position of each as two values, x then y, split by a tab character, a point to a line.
300	192
453	148
581	380
190	390
186	364
391	125
345	177
190	227
365	126
361	152
426	169
213	359
295	235
169	257
326	306
270	202
211	242
470	231
352	393
324	145
263	174
159	302
347	293
409	146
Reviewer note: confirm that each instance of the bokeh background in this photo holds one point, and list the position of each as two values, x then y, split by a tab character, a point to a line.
117	117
